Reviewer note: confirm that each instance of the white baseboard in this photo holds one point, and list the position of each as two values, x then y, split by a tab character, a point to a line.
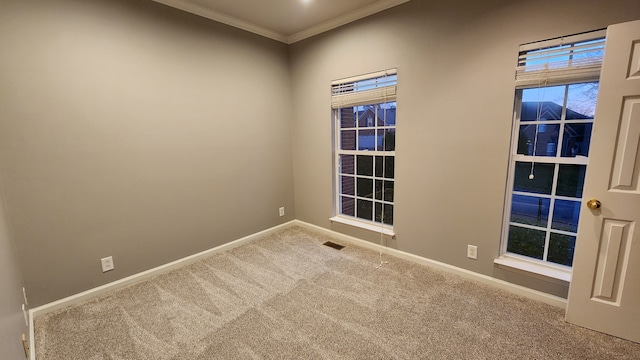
501	284
95	292
136	278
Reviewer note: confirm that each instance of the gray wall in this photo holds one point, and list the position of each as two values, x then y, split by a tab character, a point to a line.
455	65
134	130
12	324
131	129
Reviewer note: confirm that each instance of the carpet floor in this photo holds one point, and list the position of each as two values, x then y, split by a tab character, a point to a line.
286	296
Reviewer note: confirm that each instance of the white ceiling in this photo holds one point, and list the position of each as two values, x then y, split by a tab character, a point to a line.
287	21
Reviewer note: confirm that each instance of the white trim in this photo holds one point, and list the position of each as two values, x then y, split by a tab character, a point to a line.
379	228
95	292
32	337
223	18
555	274
488	280
520	263
92	293
205	12
564	160
344	19
373	75
382	94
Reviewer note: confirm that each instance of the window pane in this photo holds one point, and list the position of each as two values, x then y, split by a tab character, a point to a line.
547	143
388	213
540	184
571	180
385	166
365	209
389	191
365	165
348	206
347	164
379	190
530	210
365	188
577	138
565	215
347	118
347	185
389	167
581	101
545	102
526	242
561	249
366	139
387	140
366	116
385	193
387	114
348	140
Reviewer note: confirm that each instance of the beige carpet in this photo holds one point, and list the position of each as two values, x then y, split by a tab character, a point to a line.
287	296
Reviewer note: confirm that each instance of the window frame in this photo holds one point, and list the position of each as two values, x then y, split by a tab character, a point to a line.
530	265
524	262
337	128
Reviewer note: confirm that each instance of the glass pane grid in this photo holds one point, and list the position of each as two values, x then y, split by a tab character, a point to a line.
366	162
549	165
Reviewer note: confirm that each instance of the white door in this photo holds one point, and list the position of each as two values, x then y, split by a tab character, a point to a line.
605	287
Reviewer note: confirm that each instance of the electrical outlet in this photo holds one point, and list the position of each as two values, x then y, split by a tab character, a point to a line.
472	252
107	264
282	211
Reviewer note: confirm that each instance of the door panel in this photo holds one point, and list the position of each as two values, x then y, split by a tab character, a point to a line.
626	167
613	257
605	288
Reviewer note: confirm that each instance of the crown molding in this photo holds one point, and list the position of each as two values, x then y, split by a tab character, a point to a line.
223	18
200	10
344	19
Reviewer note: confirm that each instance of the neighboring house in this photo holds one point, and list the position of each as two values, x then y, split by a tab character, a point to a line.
575	141
384	117
548	111
369	118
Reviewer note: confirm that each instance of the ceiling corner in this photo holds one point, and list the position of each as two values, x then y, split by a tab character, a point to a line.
223	18
344	19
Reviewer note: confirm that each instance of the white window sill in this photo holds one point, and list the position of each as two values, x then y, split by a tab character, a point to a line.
385	229
551	273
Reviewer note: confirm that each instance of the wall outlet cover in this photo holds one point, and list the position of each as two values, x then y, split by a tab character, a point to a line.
107	264
472	252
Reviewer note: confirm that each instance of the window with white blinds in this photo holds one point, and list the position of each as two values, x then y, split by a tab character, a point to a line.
564	60
366	89
555	105
364	112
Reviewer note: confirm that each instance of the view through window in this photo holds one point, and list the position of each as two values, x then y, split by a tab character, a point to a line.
552	136
365	123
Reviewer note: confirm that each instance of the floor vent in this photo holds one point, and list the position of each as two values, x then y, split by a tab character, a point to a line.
333	245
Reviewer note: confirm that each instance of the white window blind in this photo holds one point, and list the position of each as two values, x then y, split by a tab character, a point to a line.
365	89
563	60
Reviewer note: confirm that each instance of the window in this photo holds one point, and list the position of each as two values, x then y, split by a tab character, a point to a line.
364	112
555	102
